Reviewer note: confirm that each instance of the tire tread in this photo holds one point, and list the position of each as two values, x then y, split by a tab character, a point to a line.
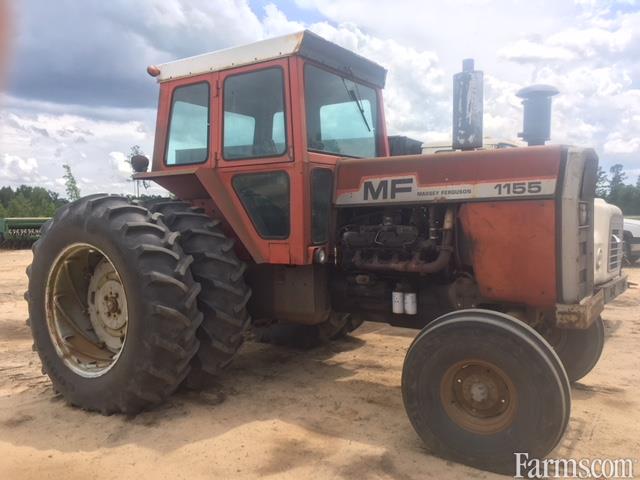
163	359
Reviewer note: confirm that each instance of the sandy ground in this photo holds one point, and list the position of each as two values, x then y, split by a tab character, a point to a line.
335	412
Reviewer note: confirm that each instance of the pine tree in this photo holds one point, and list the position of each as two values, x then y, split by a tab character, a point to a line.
602	184
617	177
70	184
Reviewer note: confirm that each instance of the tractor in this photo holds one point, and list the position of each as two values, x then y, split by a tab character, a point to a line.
294	214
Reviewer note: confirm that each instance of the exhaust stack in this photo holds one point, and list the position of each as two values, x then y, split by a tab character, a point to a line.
536	99
467	107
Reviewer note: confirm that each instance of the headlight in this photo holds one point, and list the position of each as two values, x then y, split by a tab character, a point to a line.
599	259
583	214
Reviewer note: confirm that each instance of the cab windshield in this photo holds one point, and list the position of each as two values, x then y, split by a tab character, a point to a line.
341	114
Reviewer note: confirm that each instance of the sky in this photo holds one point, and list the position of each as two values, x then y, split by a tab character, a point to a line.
76	91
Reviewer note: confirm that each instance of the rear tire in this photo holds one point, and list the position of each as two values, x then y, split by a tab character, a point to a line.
224	294
133	349
579	350
479	386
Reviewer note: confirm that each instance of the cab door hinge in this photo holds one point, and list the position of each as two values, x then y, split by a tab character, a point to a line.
216	89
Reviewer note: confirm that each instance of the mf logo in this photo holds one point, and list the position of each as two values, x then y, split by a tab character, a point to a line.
386	189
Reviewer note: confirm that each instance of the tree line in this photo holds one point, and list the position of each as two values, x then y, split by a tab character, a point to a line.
613	189
26	201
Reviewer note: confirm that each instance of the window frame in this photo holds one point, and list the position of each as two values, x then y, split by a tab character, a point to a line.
377	138
248	213
284	114
168	130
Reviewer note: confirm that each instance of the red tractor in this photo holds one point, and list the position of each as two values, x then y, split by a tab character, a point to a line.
297	215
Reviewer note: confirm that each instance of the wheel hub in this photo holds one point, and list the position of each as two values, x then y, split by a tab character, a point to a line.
107	305
480	391
478	396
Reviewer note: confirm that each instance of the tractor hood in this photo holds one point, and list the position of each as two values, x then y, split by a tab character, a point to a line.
528	172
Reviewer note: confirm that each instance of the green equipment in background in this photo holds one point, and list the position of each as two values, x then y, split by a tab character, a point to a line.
20	232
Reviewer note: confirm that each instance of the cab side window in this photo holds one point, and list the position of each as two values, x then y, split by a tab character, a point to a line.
254	120
188	140
265	196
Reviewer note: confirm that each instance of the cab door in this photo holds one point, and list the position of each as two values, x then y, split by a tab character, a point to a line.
255	158
254	118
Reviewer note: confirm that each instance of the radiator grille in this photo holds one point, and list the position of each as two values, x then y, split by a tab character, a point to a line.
615	244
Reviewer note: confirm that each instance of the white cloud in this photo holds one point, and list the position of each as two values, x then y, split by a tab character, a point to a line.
15	169
276	23
526	51
36	145
596	39
617	143
120	164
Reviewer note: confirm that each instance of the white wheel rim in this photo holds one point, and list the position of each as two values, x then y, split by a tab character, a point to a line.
86	310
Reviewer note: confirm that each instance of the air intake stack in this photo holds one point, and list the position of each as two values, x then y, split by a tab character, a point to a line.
467	107
536	99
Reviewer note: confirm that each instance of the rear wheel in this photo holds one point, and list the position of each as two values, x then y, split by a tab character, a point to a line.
479	386
578	349
112	305
224	294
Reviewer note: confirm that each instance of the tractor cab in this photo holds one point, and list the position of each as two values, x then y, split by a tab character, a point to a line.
253	134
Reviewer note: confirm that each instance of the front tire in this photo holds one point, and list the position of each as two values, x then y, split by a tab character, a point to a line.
579	350
112	305
628	256
479	386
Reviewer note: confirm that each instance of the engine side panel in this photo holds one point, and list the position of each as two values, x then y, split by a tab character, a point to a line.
510	173
513	250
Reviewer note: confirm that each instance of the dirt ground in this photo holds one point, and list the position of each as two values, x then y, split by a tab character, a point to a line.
335	412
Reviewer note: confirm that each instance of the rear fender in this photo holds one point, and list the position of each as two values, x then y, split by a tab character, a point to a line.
197	183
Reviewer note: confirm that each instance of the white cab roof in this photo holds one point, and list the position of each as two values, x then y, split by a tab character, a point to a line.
303	43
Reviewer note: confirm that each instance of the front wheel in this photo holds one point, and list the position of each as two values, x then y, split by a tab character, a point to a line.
629	258
479	386
579	350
